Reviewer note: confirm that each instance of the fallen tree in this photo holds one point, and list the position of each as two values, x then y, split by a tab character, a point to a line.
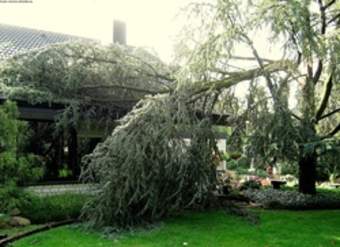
147	170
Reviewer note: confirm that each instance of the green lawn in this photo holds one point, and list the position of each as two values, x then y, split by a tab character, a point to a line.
277	228
15	230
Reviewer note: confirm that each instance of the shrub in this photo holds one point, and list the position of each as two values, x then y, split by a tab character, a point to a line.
241	163
53	208
261	173
15	167
235	155
290	168
278	199
232	164
251	184
19	170
12	197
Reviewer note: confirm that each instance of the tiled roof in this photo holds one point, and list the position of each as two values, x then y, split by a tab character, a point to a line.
15	40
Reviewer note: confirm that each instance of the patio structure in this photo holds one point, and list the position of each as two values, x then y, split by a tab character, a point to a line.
16	40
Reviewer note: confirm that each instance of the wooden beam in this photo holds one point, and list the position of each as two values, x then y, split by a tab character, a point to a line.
38	114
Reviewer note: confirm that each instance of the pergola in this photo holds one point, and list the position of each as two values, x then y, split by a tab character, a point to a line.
24	40
16	40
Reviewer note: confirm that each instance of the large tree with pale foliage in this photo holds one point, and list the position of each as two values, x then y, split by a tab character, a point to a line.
213	55
230	36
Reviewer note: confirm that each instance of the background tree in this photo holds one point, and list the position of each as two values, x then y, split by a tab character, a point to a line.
224	39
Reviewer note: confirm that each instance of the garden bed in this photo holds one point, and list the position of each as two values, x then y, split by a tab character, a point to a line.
290	199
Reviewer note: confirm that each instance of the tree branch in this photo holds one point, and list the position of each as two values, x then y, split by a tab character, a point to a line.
119	87
292	35
111	61
323	17
325	98
330	113
237	77
251	59
333	132
260	62
295	116
318	71
329	4
333	19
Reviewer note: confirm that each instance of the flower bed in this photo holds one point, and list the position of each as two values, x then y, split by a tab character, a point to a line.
279	199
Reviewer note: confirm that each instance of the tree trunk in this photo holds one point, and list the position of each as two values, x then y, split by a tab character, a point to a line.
307	173
308	160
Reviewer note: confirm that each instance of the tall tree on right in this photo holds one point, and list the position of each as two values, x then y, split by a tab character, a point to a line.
227	36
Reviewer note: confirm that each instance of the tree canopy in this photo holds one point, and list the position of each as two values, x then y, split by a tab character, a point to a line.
85	77
224	39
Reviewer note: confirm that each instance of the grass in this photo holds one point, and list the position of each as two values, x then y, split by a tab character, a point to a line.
53	208
277	229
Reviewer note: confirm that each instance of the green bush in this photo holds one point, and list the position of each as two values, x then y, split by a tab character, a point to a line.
250	184
19	170
53	208
12	197
235	155
232	164
290	168
261	173
243	162
240	165
15	166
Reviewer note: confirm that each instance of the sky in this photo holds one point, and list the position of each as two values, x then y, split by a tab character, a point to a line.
150	23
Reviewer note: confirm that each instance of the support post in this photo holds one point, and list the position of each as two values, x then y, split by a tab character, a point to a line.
73	160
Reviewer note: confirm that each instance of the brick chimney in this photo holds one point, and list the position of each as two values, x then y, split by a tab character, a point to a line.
119	32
